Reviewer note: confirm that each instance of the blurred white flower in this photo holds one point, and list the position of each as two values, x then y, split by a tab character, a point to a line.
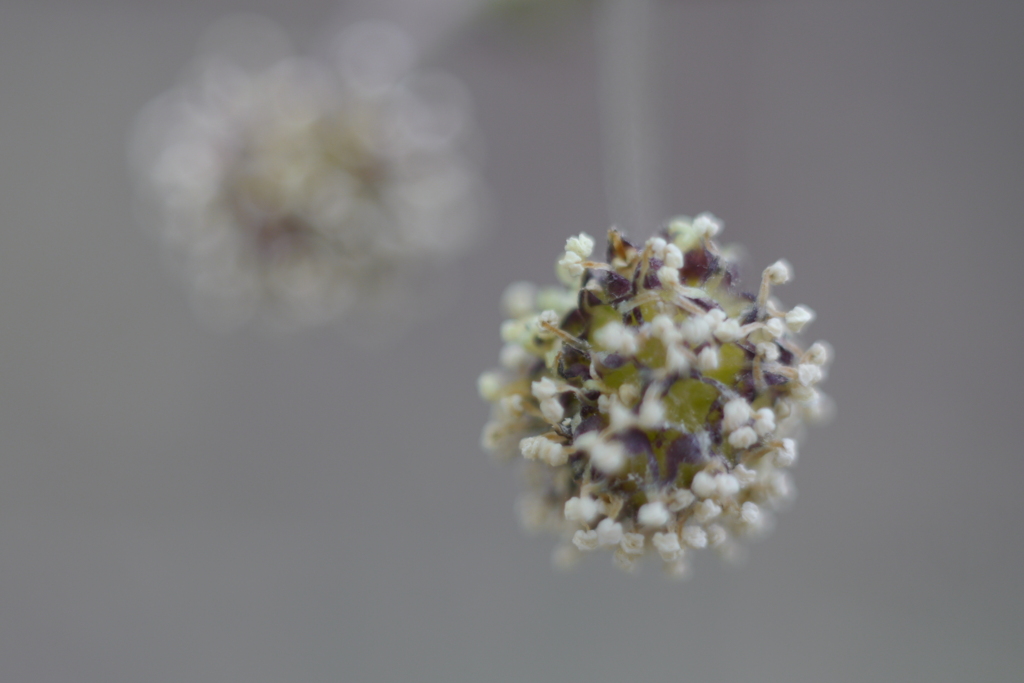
306	188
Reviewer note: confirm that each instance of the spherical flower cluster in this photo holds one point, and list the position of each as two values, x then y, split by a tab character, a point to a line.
656	403
309	187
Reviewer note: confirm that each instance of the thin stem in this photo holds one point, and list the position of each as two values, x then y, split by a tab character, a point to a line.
625	30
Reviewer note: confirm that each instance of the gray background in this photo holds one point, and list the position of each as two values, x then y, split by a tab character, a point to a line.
180	505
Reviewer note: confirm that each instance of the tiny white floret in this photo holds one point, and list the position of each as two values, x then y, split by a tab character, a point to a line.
744	475
706	510
735	414
657	245
664	328
707	225
681	499
585	540
582	245
541	448
514	357
726	486
544	389
769	351
608	457
707	360
728	331
703	485
750	513
797	318
785	455
717	535
744	437
548	316
609	532
779	486
652	413
695	330
633	543
668	276
764	421
614	336
619	416
653	514
676	360
818	354
490	384
571	264
581	509
715	317
694	536
775	327
667	545
625	561
552	410
673	257
808	374
778	273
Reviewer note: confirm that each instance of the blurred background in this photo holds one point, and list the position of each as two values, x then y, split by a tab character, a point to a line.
183	505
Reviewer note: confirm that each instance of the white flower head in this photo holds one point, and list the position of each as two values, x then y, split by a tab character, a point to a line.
309	188
657	400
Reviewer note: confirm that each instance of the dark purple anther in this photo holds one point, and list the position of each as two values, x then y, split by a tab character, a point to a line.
698	264
588	299
637	443
617	286
745	384
594	423
612	361
685	450
772	379
651	279
576	323
574	363
785	355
